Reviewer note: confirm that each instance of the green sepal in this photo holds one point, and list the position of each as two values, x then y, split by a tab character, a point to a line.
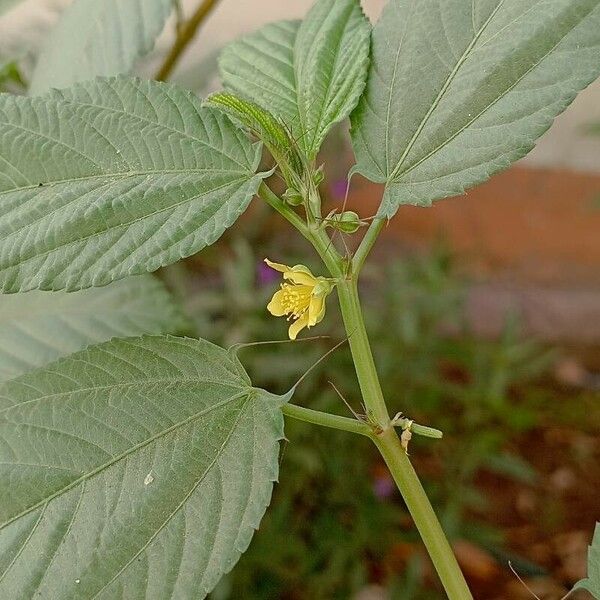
293	197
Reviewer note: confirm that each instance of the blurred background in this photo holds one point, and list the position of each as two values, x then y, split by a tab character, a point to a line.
485	319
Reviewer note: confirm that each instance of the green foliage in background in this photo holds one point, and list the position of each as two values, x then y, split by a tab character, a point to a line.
6	5
102	38
335	511
39	327
10	76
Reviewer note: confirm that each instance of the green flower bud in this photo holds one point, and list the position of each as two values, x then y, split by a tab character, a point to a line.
346	222
293	197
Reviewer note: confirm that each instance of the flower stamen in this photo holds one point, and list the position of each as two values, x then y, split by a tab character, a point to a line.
301	297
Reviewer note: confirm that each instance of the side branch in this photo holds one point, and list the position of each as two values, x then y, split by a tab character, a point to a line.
185	34
367	243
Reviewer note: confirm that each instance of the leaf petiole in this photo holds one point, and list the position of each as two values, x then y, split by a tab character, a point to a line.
324	419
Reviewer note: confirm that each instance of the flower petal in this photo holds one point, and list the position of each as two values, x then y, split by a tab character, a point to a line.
297	274
297	326
301	275
277	266
316	309
275	307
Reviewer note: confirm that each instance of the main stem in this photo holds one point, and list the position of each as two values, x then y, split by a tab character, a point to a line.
388	443
383	434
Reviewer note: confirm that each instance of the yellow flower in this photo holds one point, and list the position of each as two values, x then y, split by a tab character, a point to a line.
301	297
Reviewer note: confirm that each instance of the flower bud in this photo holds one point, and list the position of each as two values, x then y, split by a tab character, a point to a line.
346	222
293	197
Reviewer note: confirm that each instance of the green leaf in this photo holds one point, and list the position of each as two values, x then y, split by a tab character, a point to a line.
112	178
592	582
39	327
260	67
98	38
6	5
139	468
460	89
36	328
310	74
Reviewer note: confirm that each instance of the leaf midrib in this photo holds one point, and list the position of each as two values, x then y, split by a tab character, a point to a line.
119	176
78	198
327	99
302	108
129	451
443	90
391	91
122	225
179	506
486	108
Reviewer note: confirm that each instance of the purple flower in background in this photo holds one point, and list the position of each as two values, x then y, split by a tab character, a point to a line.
338	189
265	275
383	487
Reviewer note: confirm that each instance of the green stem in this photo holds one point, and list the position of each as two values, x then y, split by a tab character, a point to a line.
423	515
367	243
316	417
361	353
284	209
392	452
314	234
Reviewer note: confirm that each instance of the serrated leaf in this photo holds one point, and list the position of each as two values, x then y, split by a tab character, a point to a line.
112	178
310	74
139	468
592	582
39	327
260	67
98	38
460	89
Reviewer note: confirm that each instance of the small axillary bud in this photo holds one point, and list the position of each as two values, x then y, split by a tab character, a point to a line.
409	427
